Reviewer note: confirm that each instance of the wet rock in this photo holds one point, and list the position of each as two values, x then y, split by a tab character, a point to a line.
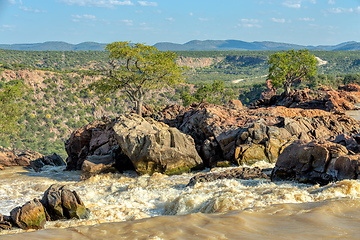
96	164
155	147
316	162
50	160
61	203
30	216
4	225
245	173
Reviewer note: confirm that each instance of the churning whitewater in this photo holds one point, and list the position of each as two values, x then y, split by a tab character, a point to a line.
127	206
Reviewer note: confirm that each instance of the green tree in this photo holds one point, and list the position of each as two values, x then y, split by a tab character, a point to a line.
11	109
288	67
135	69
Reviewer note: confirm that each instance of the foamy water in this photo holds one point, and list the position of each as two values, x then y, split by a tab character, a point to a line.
125	206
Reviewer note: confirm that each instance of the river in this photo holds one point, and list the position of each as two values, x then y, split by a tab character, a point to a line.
127	206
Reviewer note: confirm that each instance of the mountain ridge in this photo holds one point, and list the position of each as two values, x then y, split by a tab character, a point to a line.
193	45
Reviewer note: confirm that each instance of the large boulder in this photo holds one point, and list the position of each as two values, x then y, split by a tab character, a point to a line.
31	215
155	147
316	162
61	203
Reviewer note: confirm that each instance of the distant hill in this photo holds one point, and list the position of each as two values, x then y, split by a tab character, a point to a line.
55	46
229	45
195	45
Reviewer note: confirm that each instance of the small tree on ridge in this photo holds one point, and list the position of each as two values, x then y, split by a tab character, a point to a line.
288	67
135	69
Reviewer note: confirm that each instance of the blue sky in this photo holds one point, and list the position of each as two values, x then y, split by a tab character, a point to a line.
306	22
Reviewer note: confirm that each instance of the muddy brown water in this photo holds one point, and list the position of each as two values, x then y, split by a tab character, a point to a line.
125	206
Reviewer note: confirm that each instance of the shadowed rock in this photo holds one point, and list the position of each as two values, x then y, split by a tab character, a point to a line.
4	225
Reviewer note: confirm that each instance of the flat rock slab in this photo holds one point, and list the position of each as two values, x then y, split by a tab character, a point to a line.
245	173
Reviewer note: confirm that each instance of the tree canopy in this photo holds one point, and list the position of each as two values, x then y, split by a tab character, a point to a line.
136	68
288	67
11	109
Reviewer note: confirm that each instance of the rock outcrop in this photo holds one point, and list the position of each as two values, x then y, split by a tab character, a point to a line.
242	135
9	158
130	142
324	98
28	158
316	162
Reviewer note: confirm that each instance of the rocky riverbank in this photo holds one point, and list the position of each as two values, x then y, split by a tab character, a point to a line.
203	135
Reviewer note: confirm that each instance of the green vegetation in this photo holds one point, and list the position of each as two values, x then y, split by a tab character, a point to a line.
211	93
58	101
289	67
141	69
11	106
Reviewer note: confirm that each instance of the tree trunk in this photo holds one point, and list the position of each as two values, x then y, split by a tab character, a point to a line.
139	104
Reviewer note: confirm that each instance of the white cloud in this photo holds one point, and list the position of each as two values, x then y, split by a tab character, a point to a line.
307	19
341	10
127	22
6	27
96	3
170	19
332	2
85	16
12	1
148	4
191	14
249	23
278	20
30	9
313	1
292	4
203	19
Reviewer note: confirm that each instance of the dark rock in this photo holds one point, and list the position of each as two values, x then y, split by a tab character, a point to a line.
50	160
30	216
245	173
4	223
61	203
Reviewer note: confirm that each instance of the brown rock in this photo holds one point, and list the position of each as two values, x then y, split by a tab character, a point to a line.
61	203
155	147
96	164
30	216
314	162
